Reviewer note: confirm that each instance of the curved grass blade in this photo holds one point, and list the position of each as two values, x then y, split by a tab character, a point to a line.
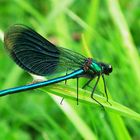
69	92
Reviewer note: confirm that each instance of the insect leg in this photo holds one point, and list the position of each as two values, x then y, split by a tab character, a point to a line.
65	84
87	83
77	88
76	92
66	74
95	86
93	92
105	89
62	100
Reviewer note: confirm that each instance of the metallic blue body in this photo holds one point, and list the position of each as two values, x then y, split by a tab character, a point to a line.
41	84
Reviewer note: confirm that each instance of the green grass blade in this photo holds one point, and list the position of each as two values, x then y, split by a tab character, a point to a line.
127	40
79	124
84	96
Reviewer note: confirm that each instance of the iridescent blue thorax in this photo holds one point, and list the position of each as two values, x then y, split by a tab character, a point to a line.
97	68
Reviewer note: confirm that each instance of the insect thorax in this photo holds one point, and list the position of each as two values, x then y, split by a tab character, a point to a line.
92	66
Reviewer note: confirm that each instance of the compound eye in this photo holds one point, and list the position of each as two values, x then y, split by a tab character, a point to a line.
110	68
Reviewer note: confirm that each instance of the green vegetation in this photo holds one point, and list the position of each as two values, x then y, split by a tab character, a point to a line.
103	29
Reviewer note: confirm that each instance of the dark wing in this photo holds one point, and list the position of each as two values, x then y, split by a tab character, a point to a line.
35	54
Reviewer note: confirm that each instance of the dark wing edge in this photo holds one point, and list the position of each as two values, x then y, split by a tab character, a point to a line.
35	54
30	50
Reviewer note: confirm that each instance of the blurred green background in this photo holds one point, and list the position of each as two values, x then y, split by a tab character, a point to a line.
111	32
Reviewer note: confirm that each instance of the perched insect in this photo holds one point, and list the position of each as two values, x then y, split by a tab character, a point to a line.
36	55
